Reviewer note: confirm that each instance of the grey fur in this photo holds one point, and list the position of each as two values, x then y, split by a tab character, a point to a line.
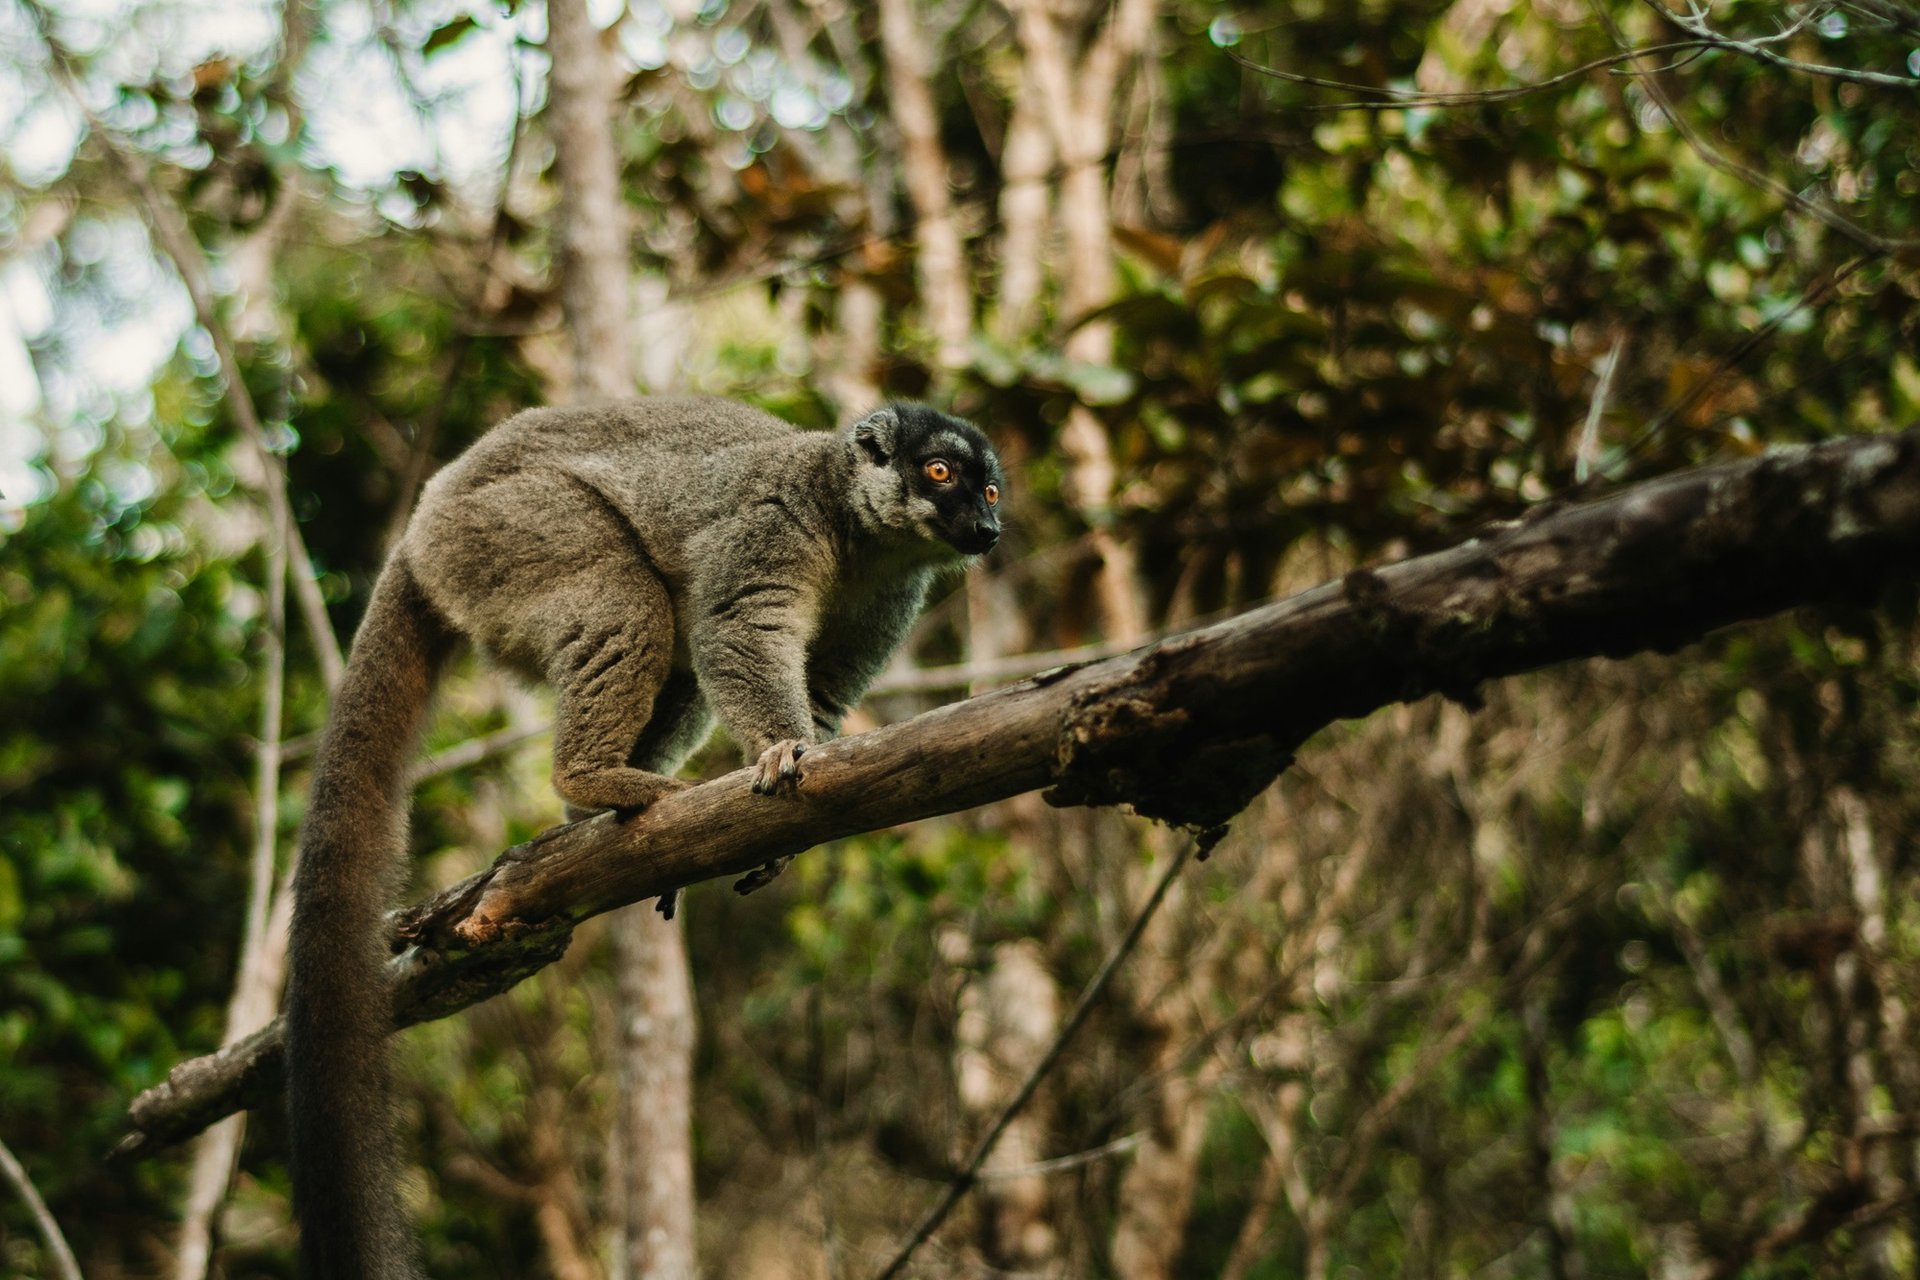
659	562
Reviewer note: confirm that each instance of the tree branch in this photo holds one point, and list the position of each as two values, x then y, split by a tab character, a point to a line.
1821	212
968	1174
64	1264
1187	730
1388	98
1694	23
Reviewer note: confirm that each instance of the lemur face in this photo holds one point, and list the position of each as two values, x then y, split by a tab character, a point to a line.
948	475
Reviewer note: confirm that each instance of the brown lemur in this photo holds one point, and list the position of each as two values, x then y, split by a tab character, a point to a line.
659	562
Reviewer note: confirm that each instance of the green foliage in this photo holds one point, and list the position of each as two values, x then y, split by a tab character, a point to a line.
1600	973
125	702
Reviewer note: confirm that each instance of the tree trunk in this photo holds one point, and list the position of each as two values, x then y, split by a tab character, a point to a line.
945	292
1079	97
592	215
1008	1017
654	996
1026	207
656	1040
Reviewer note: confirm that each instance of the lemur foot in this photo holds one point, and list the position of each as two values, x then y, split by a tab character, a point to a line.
761	877
778	769
625	791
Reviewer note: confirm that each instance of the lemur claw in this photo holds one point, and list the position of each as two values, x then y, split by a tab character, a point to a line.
778	769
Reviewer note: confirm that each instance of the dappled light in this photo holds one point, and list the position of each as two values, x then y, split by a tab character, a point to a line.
1498	417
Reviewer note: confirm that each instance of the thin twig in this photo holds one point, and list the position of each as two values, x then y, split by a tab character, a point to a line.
1401	99
1887	14
1589	446
475	750
1694	23
266	778
1714	158
1815	294
256	984
1021	666
1060	1164
992	671
65	1264
969	1174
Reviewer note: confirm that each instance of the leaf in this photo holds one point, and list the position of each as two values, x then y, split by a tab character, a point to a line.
1156	249
1099	384
1142	314
1906	384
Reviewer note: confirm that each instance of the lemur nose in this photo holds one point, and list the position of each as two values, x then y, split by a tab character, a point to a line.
987	533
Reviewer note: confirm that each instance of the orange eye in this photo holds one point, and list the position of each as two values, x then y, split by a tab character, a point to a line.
938	471
993	494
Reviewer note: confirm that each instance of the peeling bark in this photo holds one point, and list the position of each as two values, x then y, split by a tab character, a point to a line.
1189	729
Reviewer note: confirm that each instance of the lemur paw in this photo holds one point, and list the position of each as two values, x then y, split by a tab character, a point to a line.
778	769
761	877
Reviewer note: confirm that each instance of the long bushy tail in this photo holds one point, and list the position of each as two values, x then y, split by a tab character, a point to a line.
339	1012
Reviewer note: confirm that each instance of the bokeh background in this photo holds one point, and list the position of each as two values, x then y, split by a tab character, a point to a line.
1615	976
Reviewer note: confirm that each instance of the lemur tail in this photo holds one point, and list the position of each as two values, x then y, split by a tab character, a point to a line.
352	850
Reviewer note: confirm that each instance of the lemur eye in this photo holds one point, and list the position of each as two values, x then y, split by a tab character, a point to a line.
938	471
993	494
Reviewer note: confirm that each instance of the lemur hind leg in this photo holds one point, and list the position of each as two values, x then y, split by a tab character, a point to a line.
610	660
543	573
681	722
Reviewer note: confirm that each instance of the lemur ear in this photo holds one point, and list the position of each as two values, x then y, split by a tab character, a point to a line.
878	435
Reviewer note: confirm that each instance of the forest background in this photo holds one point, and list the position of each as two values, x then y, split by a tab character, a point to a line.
1614	975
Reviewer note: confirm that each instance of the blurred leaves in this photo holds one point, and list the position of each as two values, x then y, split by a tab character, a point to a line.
1602	973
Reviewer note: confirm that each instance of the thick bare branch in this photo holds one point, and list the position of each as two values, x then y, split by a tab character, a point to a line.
1189	729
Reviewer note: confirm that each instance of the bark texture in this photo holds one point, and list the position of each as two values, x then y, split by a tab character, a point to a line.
1187	730
656	1042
